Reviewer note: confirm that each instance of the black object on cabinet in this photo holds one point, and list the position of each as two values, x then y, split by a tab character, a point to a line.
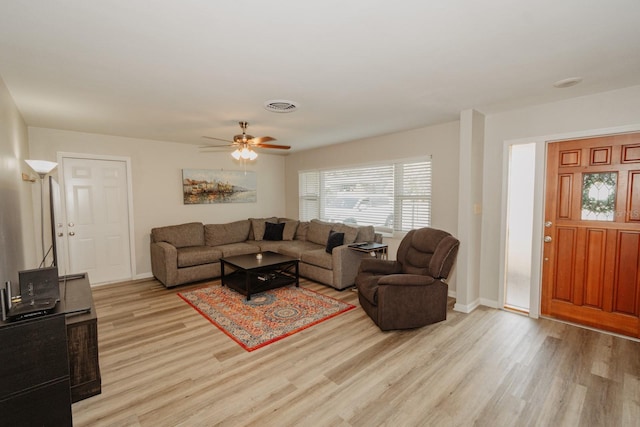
34	372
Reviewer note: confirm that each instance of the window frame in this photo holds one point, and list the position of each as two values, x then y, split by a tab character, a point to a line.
312	201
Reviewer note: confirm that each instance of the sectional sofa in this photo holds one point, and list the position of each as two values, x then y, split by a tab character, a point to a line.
191	252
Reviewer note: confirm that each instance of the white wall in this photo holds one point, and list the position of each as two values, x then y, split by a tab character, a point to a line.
439	141
17	237
581	115
157	180
469	209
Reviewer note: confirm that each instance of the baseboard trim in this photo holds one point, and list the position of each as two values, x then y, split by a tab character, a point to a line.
466	308
489	303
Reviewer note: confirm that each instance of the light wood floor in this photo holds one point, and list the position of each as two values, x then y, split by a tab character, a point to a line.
163	364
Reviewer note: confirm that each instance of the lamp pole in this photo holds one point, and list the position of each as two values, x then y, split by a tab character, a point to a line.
44	254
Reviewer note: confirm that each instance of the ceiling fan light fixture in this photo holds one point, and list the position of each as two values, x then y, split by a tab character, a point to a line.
280	106
244	153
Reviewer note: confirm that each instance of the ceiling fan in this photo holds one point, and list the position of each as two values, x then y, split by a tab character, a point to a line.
245	143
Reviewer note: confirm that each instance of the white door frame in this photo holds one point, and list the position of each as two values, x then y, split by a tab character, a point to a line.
538	206
127	160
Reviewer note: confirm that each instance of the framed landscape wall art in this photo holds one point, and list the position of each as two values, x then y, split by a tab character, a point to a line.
206	186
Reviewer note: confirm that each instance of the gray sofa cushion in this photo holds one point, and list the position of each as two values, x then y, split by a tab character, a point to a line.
366	234
301	231
296	247
350	233
318	232
222	234
290	227
197	255
180	236
242	248
270	245
258	227
318	257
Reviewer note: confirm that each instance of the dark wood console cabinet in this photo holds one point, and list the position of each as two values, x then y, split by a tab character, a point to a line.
82	338
34	372
51	361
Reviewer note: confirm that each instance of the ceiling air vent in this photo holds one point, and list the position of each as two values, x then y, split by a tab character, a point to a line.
280	106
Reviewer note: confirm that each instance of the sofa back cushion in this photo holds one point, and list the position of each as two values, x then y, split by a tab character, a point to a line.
258	226
224	234
180	236
318	232
301	231
366	234
350	233
290	228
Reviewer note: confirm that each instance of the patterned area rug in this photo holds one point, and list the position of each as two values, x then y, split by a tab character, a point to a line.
268	317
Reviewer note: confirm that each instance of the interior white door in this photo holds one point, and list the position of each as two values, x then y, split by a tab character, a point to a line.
97	219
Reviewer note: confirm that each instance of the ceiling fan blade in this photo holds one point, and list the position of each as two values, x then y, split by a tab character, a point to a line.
260	140
218	139
216	146
281	147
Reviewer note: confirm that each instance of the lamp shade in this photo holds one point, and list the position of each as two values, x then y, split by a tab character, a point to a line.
41	167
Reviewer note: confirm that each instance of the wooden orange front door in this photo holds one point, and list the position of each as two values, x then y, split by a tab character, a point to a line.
591	270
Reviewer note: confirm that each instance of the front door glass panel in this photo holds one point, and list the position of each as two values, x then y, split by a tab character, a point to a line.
599	196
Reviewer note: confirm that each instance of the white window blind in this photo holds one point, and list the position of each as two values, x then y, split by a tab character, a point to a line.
309	190
391	197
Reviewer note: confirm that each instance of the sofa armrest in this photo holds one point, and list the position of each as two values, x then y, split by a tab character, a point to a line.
164	263
346	263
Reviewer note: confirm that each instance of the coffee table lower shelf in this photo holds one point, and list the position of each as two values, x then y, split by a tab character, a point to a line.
253	273
238	282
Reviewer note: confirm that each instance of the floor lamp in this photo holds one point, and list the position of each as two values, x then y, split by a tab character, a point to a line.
42	168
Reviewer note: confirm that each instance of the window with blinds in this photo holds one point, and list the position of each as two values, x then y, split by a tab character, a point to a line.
391	197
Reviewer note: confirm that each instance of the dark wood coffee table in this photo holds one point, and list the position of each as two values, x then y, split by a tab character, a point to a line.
252	275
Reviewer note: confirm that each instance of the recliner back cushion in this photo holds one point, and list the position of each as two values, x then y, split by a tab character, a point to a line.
416	262
224	234
417	248
180	236
427	239
444	257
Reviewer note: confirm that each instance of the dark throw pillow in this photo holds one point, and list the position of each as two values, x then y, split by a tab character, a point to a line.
273	231
335	239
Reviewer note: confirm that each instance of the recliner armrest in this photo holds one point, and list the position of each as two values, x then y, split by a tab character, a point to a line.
379	266
406	280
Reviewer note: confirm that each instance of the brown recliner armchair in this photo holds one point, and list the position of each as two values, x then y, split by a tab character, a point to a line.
409	292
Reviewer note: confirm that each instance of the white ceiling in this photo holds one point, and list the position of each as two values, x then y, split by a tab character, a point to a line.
175	70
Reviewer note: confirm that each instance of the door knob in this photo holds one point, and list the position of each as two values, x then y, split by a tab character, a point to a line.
60	234
71	233
547	239
548	224
71	224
